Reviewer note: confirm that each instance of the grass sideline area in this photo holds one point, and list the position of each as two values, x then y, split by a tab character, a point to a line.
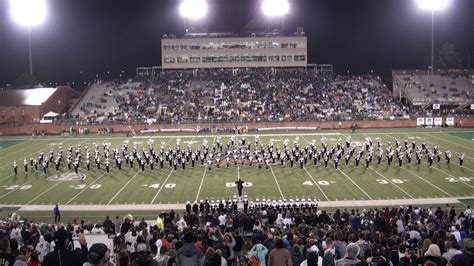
131	186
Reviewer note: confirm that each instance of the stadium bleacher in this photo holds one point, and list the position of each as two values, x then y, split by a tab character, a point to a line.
251	95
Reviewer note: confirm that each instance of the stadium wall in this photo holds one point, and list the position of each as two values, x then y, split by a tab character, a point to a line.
58	129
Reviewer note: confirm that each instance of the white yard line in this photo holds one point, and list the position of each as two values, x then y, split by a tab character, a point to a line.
204	174
162	185
44	192
26	156
454	143
433	185
402	190
433	144
363	191
82	190
238	172
451	176
124	186
19	186
7	177
440	169
316	183
16	151
278	185
202	181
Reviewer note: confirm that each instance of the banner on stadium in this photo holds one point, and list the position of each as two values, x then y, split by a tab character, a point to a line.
436	106
438	121
420	121
450	121
429	121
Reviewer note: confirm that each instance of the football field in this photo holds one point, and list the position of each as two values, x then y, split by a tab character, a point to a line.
133	186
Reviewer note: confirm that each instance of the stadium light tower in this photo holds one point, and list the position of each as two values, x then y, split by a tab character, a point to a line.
432	5
28	13
193	10
276	9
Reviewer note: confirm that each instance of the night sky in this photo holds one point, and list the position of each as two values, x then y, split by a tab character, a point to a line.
96	36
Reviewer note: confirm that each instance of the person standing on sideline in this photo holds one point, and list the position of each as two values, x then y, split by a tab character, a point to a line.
240	186
57	214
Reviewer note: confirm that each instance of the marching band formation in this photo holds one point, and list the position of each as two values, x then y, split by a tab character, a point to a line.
236	152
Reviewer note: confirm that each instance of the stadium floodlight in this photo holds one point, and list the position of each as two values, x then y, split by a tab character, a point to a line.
275	8
193	9
28	13
432	4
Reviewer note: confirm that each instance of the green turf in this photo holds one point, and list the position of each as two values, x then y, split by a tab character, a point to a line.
315	181
6	143
465	135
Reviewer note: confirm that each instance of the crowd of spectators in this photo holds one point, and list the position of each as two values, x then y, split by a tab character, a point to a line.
251	95
265	234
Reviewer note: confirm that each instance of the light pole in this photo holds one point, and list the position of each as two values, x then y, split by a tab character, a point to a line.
276	9
28	13
192	10
432	5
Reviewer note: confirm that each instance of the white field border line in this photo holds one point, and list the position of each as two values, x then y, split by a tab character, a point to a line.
123	187
19	186
415	174
20	149
88	186
316	183
363	191
161	187
44	192
454	143
310	176
276	181
27	156
228	135
238	172
402	190
203	175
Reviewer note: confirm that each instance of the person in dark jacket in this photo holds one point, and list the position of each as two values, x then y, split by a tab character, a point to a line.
467	256
144	258
61	256
189	255
5	257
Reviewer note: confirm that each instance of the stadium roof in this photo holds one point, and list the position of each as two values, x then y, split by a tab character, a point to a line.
25	97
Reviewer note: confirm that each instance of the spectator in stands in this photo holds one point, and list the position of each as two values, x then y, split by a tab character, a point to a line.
432	256
98	256
279	256
162	259
5	257
467	256
452	249
189	255
352	251
144	258
61	255
260	251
